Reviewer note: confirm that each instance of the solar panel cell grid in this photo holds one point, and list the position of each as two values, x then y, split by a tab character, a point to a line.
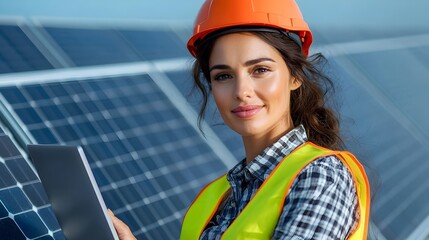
24	209
141	149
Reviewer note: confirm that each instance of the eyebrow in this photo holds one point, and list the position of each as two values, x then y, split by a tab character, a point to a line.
248	63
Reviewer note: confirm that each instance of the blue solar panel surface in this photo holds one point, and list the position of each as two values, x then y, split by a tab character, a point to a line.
148	161
391	135
155	44
106	46
24	209
93	46
18	53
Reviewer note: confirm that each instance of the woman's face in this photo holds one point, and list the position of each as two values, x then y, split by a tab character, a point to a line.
251	85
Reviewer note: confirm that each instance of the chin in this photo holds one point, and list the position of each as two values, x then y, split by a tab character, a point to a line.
247	131
247	127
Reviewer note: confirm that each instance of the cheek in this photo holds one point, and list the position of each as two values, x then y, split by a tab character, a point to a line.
220	97
275	89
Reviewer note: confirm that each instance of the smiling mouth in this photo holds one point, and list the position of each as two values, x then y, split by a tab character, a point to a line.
246	111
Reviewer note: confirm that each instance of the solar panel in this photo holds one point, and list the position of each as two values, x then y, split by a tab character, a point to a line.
156	44
376	113
93	46
147	159
18	53
393	83
24	210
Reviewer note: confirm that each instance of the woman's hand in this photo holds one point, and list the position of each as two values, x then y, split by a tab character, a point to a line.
122	229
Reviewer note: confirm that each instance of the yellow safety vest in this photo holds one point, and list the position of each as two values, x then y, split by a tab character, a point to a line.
259	217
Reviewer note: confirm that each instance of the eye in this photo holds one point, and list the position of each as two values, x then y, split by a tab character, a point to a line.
260	70
222	77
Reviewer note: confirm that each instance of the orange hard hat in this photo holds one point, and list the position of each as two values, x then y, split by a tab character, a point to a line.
278	14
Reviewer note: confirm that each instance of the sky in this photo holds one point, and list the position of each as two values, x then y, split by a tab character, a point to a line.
373	14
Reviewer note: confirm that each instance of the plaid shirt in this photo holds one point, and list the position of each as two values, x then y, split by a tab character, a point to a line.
321	204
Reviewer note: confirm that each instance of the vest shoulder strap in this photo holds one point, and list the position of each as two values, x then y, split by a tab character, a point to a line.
363	192
203	208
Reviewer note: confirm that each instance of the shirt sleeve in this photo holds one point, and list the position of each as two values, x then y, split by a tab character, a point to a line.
321	204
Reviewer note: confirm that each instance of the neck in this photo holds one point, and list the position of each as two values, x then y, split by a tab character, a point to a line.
254	145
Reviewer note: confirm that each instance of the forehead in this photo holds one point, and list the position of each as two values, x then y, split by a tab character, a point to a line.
241	47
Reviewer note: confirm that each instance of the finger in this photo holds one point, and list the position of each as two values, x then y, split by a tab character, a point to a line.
112	215
121	228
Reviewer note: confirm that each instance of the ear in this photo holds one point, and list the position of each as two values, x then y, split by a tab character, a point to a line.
295	83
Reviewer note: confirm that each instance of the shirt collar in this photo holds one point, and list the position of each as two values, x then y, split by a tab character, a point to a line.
268	159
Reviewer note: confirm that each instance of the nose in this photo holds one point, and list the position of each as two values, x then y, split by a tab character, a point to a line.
244	86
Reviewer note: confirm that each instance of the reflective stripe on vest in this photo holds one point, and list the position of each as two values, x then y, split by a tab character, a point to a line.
259	217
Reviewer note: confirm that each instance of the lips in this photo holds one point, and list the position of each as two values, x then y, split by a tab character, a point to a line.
247	111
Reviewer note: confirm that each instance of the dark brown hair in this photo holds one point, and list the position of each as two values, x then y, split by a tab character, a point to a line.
307	105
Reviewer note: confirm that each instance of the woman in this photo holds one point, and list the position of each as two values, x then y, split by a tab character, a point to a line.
253	58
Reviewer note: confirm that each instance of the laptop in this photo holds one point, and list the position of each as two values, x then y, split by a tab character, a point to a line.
71	188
